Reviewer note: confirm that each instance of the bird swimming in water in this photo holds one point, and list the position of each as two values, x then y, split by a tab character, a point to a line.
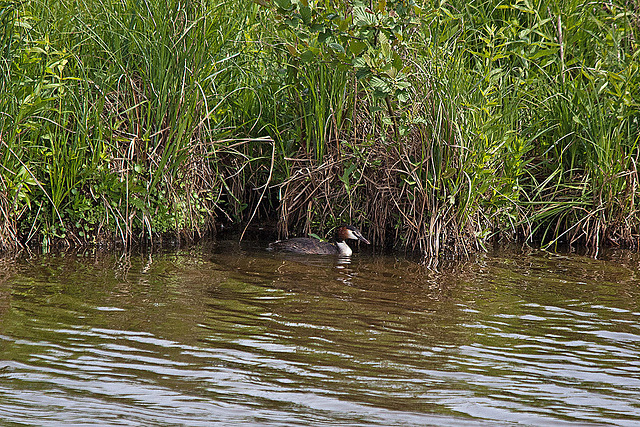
311	246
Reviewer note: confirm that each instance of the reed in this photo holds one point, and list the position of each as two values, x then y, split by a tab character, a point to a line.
440	128
120	115
510	132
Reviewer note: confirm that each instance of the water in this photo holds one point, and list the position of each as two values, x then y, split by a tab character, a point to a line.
223	335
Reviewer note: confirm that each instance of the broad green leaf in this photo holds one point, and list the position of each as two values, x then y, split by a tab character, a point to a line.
307	56
324	35
397	61
384	45
359	62
357	47
284	4
362	18
336	47
380	87
347	173
403	96
362	73
305	13
292	50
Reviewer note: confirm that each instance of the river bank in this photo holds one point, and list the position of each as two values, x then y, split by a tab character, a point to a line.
439	129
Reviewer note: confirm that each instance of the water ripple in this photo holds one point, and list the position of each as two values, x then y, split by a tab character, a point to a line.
270	341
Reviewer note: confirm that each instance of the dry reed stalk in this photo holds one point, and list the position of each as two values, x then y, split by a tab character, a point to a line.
380	200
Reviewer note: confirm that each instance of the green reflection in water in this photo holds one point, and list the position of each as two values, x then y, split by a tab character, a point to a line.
223	333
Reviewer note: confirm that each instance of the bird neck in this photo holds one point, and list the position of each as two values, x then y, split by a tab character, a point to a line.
343	248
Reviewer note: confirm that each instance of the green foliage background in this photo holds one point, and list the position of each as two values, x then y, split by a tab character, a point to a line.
436	126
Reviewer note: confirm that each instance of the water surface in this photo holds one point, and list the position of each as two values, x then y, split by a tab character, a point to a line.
228	334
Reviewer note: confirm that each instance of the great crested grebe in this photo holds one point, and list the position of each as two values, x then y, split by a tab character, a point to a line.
306	245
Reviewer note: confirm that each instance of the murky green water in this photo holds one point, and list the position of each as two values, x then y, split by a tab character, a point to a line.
224	335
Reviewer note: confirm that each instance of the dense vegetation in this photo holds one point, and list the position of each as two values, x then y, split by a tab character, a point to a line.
435	126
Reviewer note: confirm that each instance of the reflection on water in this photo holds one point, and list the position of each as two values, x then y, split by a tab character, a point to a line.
228	335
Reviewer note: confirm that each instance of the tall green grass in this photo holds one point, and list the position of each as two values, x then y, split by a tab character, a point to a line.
118	116
522	123
438	128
